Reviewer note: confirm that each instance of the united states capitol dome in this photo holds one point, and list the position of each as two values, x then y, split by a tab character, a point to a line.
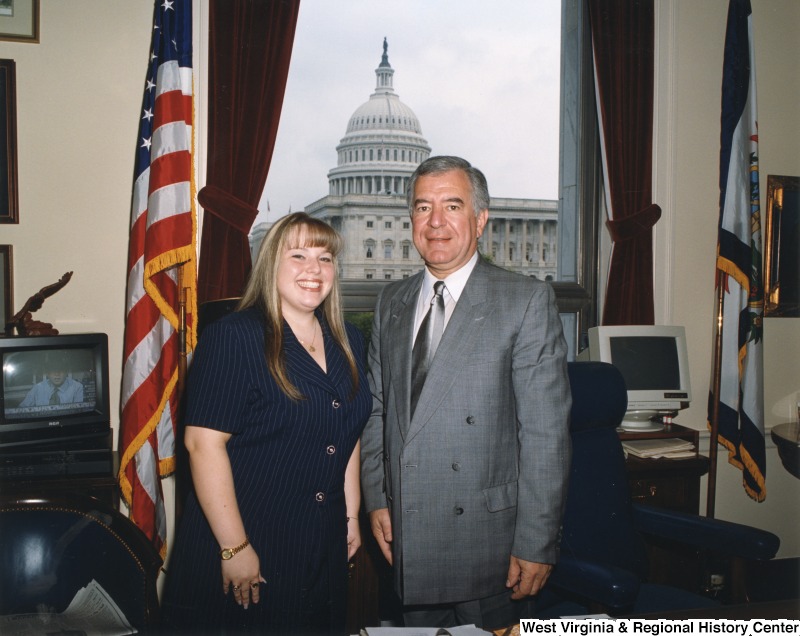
383	110
383	143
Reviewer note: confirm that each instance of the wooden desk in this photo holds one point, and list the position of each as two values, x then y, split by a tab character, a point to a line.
102	486
771	610
672	484
667	483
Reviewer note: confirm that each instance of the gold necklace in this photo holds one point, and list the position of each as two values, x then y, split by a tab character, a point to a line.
311	347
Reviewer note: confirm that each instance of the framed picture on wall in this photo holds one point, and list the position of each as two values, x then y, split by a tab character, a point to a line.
6	283
782	258
9	203
19	20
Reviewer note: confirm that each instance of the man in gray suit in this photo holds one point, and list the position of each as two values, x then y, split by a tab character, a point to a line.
465	490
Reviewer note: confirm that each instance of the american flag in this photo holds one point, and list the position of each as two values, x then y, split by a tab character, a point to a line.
738	267
161	271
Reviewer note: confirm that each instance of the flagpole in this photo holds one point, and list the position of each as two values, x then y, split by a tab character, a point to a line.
716	382
182	334
181	478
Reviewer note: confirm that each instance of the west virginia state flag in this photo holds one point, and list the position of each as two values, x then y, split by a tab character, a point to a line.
738	268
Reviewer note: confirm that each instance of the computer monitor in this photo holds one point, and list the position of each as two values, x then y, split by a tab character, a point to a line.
654	362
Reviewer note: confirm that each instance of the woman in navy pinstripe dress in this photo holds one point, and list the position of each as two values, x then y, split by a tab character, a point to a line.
276	401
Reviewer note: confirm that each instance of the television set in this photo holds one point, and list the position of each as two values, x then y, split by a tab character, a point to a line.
54	393
654	362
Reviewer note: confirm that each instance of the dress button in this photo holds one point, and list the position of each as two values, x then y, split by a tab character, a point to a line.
456	466
336	404
320	496
470	419
458	510
331	449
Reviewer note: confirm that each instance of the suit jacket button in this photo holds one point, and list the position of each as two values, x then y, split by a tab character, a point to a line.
336	404
458	510
470	419
456	466
320	497
331	449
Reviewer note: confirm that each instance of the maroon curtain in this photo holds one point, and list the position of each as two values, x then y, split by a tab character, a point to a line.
250	45
622	40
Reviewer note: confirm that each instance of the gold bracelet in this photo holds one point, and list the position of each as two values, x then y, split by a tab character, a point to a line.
227	553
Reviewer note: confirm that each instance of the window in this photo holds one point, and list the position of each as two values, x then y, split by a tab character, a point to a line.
387	250
369	224
387	225
572	253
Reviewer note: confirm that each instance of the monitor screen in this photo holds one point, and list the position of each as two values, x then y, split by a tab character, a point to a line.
660	369
54	389
48	383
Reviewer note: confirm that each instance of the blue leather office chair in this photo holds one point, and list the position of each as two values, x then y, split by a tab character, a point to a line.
52	547
212	310
604	563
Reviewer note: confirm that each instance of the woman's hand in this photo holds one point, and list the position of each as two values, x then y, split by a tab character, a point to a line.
353	537
242	573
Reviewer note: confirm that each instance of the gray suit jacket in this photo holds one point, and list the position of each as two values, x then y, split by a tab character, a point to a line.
480	472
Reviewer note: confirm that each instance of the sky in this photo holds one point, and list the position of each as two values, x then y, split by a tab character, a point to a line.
482	78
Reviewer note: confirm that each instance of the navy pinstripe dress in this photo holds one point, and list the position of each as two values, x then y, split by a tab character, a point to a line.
288	460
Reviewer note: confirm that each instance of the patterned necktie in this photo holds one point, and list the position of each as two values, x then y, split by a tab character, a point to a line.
54	398
428	337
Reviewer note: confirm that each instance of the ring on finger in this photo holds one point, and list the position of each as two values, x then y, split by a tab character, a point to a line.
254	586
235	588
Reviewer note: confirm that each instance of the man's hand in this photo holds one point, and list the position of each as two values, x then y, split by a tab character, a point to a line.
526	578
381	524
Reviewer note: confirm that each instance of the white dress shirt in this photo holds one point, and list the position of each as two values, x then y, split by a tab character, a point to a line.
453	286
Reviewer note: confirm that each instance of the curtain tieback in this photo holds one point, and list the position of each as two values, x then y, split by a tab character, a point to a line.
635	224
228	208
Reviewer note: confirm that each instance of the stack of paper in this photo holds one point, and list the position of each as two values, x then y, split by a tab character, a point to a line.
656	448
92	612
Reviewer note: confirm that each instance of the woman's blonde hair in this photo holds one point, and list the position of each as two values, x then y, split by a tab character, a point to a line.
292	231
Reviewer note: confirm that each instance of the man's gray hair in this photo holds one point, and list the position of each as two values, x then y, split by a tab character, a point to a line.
436	165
